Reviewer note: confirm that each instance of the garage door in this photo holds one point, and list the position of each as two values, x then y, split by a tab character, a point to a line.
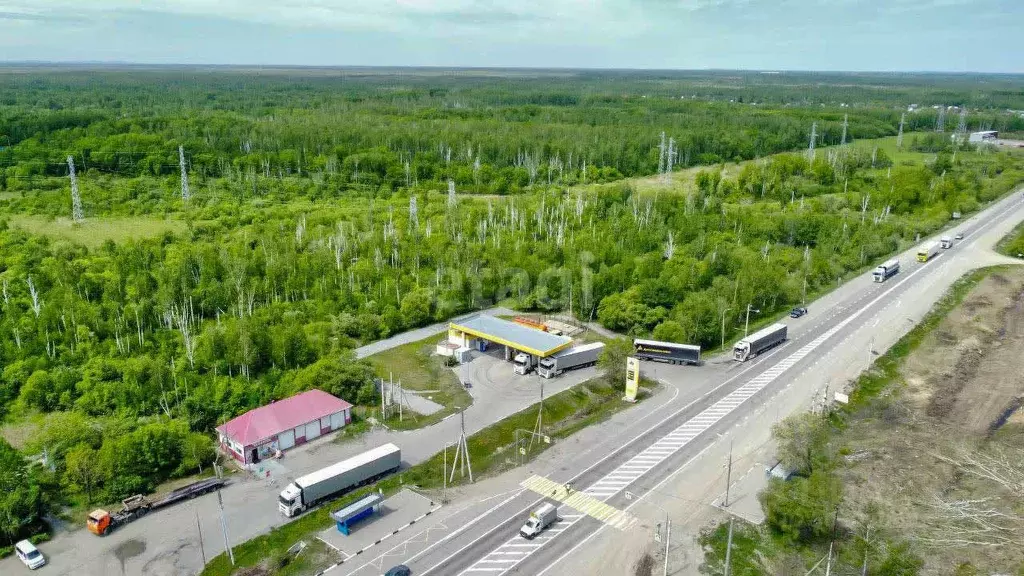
313	430
286	440
337	420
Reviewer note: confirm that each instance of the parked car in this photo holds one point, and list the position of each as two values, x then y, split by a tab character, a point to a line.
400	570
29	554
797	312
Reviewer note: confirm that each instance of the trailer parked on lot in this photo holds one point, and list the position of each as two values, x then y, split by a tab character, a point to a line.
666	351
101	522
336	478
575	357
759	341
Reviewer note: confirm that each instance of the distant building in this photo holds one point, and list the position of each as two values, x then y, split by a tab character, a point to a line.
262	432
984	136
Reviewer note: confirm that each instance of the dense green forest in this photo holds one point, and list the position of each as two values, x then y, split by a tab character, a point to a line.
326	211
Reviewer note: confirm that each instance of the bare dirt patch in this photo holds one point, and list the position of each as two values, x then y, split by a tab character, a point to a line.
941	454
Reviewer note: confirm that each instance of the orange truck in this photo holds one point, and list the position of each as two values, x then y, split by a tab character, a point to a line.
101	522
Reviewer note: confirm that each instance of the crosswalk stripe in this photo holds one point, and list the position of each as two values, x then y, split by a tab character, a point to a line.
582	501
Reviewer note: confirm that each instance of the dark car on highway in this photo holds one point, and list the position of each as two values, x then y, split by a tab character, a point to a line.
797	312
400	570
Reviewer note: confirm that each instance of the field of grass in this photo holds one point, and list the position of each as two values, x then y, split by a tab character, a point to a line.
492	451
93	232
884	373
417	368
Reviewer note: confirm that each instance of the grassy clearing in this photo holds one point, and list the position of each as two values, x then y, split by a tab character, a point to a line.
492	451
95	231
1013	243
416	366
884	373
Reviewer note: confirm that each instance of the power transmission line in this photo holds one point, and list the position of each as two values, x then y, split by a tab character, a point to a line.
76	199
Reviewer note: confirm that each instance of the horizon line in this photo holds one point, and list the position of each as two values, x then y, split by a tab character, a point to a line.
437	67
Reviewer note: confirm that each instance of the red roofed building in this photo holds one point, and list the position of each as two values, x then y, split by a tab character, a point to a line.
260	433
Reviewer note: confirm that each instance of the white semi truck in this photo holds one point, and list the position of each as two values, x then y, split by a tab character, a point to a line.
946	242
759	341
570	359
336	478
523	363
541	518
886	270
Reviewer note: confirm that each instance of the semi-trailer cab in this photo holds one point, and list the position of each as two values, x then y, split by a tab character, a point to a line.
523	363
927	251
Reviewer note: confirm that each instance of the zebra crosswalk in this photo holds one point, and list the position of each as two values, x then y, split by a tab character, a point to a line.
580	501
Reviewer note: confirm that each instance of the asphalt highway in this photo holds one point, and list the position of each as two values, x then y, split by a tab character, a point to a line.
490	544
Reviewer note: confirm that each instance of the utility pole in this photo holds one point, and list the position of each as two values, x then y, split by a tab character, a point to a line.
462	452
746	325
540	415
723	326
728	477
202	549
444	475
224	528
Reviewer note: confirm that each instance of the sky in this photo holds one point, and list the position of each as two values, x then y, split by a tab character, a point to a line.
883	35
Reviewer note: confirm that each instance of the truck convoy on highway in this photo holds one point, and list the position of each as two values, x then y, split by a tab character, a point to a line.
540	519
927	251
101	522
666	352
336	478
570	359
946	242
886	270
759	341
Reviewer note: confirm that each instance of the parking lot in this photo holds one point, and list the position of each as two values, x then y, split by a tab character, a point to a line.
498	392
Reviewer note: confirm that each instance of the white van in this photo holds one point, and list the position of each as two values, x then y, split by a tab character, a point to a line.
29	554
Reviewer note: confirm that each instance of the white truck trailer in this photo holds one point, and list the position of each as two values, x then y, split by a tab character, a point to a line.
541	518
336	478
927	251
666	352
759	341
886	270
570	359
